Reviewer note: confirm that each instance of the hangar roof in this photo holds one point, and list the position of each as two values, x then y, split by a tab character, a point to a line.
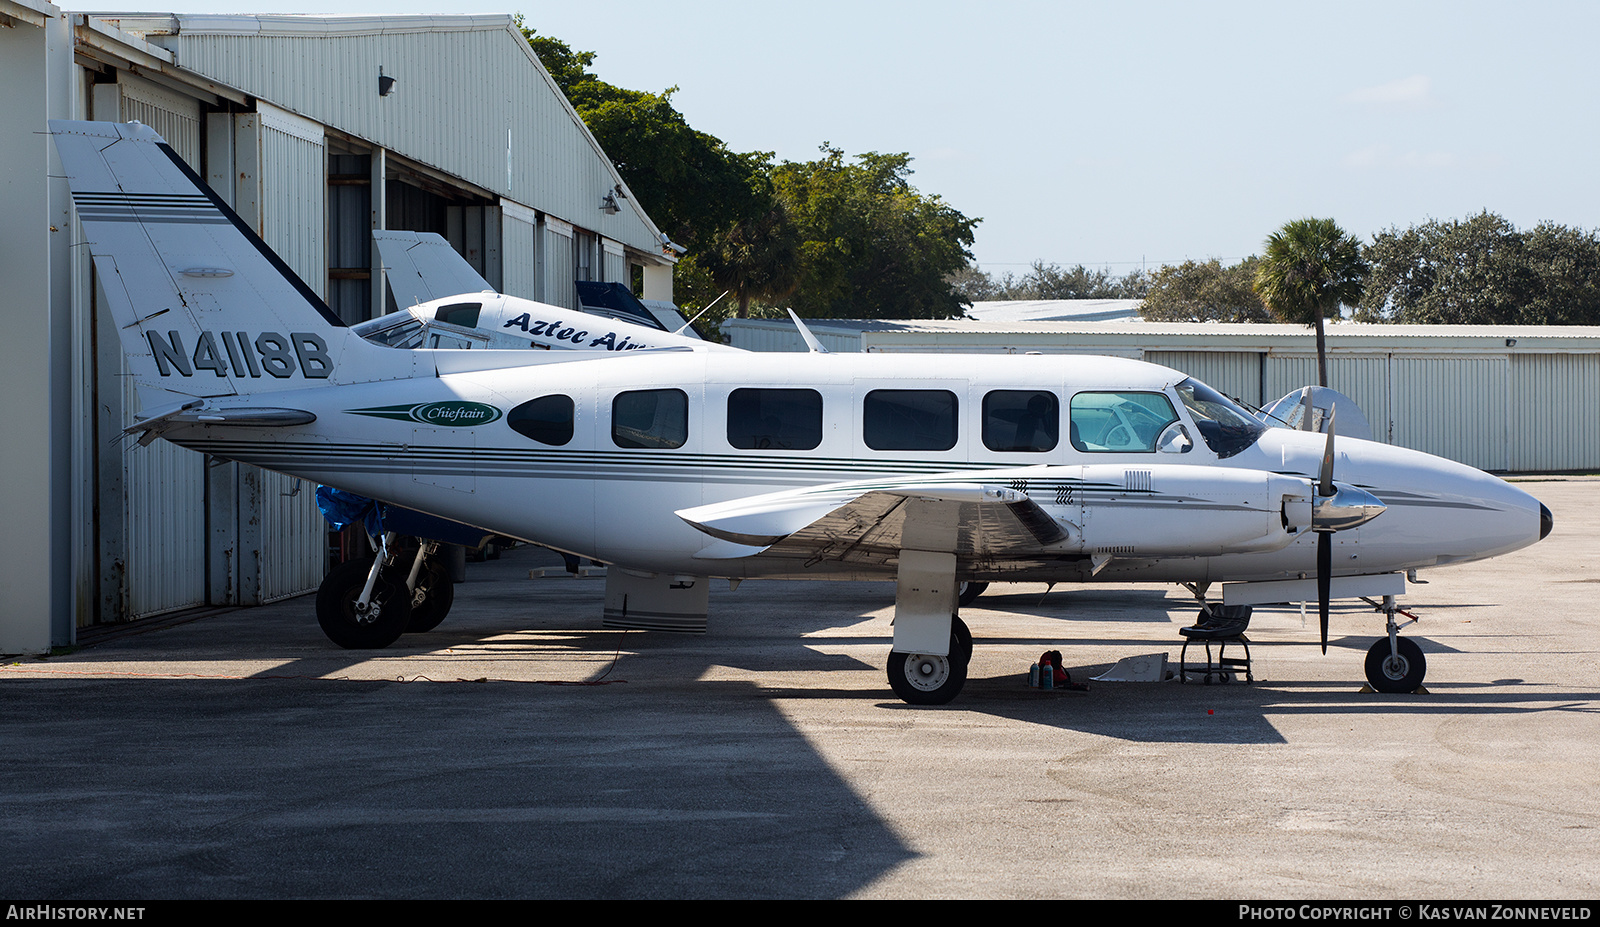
493	116
1215	336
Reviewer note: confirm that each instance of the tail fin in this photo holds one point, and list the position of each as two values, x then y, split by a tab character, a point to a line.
422	266
204	308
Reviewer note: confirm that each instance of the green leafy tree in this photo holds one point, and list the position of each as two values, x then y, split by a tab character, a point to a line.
846	238
688	181
1050	281
1205	291
1310	268
755	259
872	246
971	284
1483	271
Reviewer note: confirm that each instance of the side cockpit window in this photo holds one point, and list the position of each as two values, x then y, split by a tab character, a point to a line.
547	420
657	418
1021	420
462	314
1119	422
790	419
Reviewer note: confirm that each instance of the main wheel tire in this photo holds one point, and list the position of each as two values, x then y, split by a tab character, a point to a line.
970	592
380	625
437	594
925	679
960	639
1398	672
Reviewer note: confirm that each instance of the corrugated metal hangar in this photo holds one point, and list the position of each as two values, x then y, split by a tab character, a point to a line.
317	130
1498	398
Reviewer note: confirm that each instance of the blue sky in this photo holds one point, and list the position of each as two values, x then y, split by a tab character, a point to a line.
1131	132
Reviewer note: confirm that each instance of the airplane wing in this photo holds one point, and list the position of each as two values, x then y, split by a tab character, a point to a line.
1096	512
422	266
865	523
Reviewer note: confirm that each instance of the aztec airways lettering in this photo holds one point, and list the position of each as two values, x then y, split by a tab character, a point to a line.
554	330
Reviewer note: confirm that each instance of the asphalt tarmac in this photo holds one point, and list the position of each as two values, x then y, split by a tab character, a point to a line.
522	751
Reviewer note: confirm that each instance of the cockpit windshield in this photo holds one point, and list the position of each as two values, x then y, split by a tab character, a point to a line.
1226	428
396	330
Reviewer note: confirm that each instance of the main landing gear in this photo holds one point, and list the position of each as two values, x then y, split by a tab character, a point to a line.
1395	663
930	679
368	604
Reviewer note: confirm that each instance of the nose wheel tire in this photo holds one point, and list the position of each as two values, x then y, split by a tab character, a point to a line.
1396	672
352	627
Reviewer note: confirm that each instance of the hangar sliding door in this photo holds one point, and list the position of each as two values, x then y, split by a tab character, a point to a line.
151	521
1232	373
1454	407
290	552
1362	377
1552	428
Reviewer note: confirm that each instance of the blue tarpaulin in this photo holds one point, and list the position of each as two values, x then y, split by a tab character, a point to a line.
343	508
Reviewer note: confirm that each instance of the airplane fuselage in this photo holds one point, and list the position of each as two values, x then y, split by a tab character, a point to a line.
661	433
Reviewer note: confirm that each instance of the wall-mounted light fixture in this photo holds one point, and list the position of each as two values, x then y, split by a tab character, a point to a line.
385	83
608	204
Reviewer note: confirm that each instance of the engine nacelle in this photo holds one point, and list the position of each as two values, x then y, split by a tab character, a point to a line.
1179	510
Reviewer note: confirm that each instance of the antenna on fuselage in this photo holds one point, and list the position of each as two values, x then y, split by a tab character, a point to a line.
811	340
702	312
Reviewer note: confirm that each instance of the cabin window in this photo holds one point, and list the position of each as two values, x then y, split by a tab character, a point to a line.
462	314
909	420
650	418
790	419
1117	422
547	420
1021	420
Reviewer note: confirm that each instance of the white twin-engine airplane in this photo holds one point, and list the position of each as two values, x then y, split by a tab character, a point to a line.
682	462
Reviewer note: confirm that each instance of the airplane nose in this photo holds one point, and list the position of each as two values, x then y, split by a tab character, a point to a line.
1546	521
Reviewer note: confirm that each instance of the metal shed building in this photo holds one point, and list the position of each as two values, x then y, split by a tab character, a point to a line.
1498	398
317	130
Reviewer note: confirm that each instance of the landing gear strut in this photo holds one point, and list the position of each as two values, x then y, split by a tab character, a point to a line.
1395	663
368	604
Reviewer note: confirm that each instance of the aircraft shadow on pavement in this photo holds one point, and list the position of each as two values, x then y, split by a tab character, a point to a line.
368	789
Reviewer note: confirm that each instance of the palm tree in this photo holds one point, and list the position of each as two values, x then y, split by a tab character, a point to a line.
1309	269
757	258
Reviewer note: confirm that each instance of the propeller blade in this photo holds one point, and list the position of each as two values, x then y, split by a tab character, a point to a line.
1324	581
1325	484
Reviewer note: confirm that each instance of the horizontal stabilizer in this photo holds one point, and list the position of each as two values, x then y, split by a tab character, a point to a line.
254	417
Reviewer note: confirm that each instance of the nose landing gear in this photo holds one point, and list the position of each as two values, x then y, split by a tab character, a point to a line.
1395	663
